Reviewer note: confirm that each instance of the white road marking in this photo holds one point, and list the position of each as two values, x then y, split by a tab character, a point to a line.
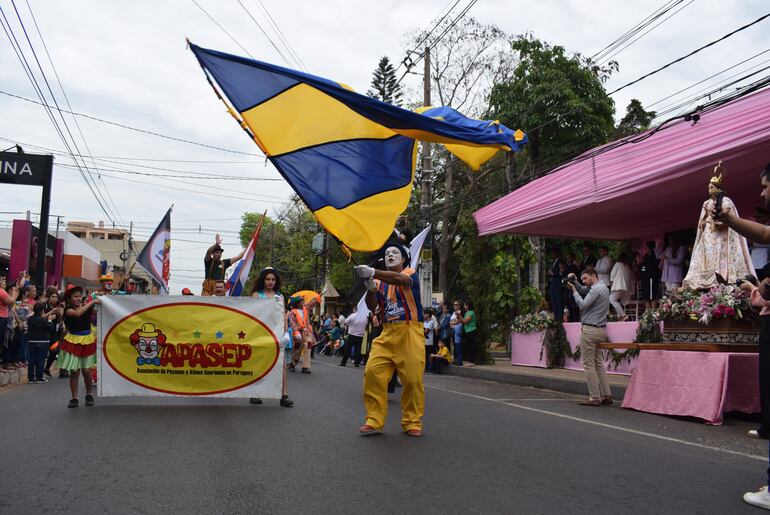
602	424
506	402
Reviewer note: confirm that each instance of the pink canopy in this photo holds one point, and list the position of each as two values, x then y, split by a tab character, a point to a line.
640	189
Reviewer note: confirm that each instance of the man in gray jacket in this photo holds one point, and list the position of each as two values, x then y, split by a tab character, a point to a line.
593	299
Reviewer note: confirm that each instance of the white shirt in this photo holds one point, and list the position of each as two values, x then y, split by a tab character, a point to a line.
429	326
621	277
356	325
603	268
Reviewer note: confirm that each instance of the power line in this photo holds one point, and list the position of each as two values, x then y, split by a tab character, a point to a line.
282	37
438	39
248	13
48	109
128	127
66	98
428	34
707	45
633	31
606	59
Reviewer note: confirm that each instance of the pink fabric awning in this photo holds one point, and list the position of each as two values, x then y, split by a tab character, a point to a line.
654	186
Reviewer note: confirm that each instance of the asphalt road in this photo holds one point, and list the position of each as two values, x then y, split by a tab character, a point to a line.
488	448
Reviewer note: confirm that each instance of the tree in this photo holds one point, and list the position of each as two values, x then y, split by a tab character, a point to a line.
385	86
465	63
559	99
636	120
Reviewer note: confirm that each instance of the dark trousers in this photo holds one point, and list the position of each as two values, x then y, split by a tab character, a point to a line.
764	373
429	349
437	364
37	354
352	346
469	346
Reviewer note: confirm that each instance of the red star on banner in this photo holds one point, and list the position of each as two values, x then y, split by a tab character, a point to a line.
241	335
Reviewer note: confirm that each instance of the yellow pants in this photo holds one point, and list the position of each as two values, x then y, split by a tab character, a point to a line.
400	347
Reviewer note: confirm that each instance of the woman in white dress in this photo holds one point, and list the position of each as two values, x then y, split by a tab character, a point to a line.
718	249
621	285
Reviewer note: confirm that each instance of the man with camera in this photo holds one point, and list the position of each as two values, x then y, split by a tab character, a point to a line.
593	299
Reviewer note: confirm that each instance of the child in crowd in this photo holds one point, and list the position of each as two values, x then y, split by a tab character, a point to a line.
40	329
440	360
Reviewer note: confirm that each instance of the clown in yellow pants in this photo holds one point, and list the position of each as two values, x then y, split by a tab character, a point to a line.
400	347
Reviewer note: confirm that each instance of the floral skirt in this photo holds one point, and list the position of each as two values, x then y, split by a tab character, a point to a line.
77	351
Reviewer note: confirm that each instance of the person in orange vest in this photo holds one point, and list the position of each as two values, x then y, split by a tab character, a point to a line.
302	333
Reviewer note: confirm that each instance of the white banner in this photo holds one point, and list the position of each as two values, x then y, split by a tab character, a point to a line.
190	346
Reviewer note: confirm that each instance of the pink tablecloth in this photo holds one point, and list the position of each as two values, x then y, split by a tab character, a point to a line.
525	349
696	384
621	332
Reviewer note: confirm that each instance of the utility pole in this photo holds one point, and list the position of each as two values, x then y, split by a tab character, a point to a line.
426	197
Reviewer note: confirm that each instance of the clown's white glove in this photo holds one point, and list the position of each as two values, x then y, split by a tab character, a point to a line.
364	272
370	285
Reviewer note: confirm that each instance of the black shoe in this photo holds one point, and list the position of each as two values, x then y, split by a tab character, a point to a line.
64	373
305	370
255	400
89	400
73	403
48	373
342	364
291	367
286	402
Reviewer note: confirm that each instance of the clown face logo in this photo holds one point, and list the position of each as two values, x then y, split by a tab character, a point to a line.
148	342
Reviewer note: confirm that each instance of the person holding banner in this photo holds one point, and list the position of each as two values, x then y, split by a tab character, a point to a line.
268	286
214	266
400	347
77	350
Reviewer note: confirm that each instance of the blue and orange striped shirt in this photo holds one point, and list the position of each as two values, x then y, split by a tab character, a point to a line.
400	303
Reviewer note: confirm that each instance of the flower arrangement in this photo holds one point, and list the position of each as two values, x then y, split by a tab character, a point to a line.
533	322
721	301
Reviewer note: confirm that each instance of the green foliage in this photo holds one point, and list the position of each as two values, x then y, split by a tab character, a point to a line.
635	120
559	98
385	85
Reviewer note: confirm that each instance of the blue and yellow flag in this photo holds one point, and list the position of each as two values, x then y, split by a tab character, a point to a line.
350	158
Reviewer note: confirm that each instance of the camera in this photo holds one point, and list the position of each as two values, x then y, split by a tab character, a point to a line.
569	279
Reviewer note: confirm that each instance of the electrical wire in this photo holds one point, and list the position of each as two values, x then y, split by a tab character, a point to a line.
48	109
131	128
69	106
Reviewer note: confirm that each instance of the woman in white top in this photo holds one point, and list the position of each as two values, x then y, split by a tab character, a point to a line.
621	285
268	286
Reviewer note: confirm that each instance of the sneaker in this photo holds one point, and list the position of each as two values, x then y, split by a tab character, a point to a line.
607	400
760	498
305	371
41	380
73	403
255	400
48	373
31	381
286	402
89	400
590	402
754	433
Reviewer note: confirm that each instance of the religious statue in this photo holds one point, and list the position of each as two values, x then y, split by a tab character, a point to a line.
719	253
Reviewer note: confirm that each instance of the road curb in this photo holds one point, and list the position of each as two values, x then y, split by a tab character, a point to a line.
558	384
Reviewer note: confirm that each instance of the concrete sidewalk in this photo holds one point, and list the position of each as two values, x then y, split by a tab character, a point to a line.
557	379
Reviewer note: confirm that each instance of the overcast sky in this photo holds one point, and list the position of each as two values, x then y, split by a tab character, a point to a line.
127	62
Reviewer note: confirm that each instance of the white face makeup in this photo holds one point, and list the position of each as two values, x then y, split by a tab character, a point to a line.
393	257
